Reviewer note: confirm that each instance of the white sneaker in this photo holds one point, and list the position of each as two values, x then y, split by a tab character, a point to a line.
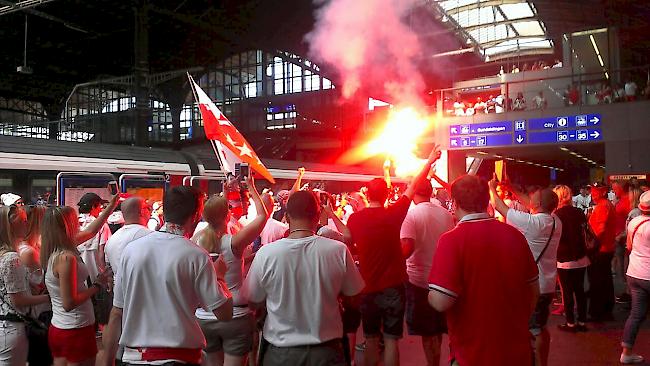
633	358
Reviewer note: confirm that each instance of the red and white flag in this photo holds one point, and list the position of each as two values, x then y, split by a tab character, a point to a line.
229	144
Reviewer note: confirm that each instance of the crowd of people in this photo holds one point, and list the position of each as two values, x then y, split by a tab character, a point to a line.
248	278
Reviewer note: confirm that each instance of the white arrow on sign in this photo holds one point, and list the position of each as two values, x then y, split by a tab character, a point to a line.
520	139
595	134
595	120
454	130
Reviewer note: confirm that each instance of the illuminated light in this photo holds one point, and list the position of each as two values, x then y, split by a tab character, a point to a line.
498	156
520	161
573	153
564	148
606	75
396	140
481	152
511	159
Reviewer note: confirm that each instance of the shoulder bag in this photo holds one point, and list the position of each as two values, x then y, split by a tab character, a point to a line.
547	242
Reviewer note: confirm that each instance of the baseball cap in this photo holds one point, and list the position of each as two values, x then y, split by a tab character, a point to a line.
644	202
90	199
9	199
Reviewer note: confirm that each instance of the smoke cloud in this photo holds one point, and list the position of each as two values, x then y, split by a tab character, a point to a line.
370	45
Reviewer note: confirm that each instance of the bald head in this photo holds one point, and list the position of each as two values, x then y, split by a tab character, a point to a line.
134	211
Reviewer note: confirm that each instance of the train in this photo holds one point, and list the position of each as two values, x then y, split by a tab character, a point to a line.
46	171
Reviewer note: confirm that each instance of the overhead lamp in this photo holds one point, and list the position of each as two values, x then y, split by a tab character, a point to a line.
498	156
563	148
481	152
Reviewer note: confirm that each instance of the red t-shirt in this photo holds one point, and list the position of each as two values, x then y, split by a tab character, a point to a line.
623	208
375	231
487	267
603	223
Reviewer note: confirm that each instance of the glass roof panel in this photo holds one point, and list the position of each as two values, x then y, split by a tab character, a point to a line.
529	28
486	24
517	11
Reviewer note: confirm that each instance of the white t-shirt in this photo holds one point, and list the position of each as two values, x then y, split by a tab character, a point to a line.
163	279
582	202
640	256
273	230
513	204
537	229
119	240
424	223
300	280
630	88
89	250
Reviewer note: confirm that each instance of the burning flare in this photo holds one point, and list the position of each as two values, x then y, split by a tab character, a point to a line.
397	141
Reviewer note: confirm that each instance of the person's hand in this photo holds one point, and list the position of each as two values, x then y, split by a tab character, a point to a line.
112	204
301	171
435	154
250	181
328	209
494	182
386	164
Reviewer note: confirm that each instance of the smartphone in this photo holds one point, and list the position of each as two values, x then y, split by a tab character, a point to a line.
214	256
113	188
244	170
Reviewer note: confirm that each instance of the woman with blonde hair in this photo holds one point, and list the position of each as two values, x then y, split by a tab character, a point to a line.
15	295
572	261
30	249
72	332
229	342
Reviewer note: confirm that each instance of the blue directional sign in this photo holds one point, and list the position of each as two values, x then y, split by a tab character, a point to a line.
562	136
481	128
465	142
565	122
548	130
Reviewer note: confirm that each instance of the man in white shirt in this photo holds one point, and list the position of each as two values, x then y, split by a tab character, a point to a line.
136	213
539	101
163	278
583	200
630	90
92	250
156	220
303	326
424	224
542	230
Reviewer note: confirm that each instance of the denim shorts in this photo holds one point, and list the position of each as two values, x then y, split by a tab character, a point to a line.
421	318
384	310
539	318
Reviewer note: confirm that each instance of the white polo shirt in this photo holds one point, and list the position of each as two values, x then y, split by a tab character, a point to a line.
537	230
117	242
424	223
640	256
300	280
89	250
163	279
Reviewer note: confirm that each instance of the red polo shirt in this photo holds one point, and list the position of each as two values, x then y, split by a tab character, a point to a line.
487	267
603	223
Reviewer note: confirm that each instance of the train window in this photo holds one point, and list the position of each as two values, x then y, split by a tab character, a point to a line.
43	190
6	183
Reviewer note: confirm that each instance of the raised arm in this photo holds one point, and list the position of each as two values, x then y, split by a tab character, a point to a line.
520	196
340	226
433	156
496	201
94	227
251	231
298	182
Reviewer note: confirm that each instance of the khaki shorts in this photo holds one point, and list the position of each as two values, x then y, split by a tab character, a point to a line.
234	337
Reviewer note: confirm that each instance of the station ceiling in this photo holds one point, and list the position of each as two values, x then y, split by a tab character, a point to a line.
74	41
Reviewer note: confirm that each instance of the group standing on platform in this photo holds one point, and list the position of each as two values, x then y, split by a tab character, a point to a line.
289	281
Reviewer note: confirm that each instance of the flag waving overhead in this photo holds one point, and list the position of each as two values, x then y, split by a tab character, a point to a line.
231	147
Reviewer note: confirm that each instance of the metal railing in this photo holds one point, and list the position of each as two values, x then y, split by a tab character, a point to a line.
559	88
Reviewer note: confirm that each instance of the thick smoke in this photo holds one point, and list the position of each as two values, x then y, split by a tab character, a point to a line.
371	45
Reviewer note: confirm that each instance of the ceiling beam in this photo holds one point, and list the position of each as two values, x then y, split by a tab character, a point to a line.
11	7
482	4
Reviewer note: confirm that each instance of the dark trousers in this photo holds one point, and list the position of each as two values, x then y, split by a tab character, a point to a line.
572	281
601	286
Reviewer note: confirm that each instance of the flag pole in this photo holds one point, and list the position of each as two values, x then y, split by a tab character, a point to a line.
214	148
